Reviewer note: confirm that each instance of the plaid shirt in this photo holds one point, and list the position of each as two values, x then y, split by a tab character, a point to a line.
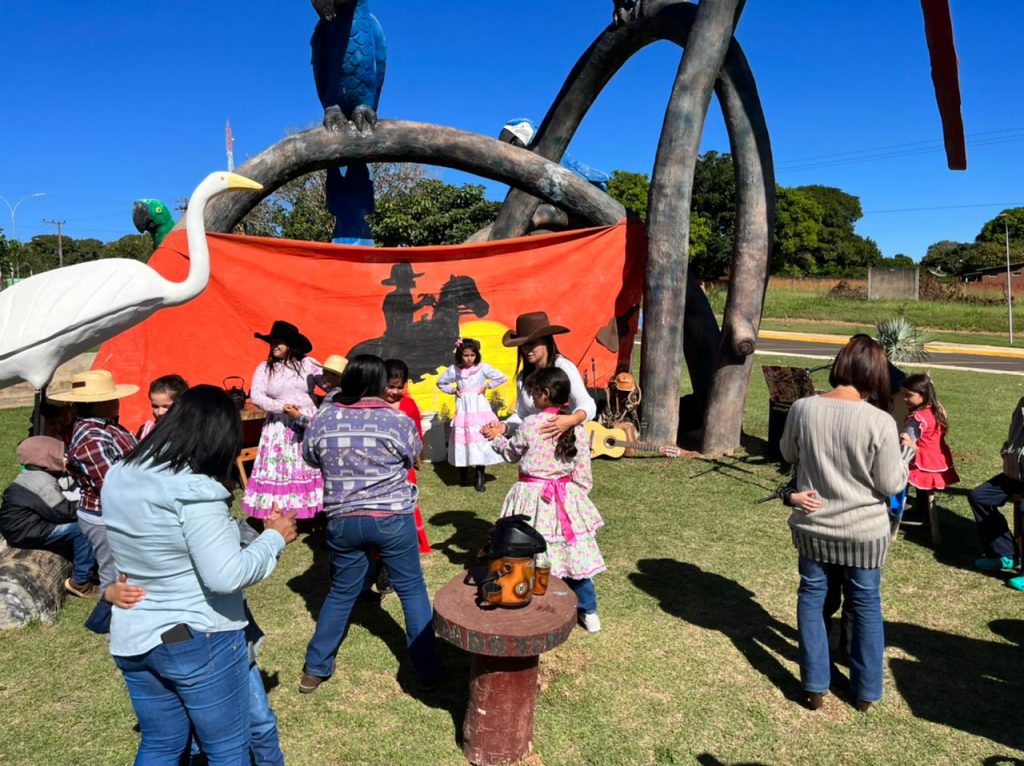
96	445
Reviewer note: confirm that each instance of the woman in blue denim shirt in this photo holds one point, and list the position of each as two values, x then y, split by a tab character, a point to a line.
182	649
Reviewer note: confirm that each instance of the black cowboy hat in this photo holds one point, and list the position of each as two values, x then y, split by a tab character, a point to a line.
288	334
530	327
401	272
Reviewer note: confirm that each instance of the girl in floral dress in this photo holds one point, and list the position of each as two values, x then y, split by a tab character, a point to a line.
469	379
554	479
283	387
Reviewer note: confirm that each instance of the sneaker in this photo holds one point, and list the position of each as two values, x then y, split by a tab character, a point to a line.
1017	583
81	589
589	621
309	683
994	563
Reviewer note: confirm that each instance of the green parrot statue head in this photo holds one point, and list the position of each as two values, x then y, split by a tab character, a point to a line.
153	216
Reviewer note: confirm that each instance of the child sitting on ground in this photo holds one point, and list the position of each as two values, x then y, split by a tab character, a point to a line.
34	513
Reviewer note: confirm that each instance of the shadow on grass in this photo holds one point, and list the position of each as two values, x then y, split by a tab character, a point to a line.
969	684
960	545
711	601
469	536
313	584
449	475
706	759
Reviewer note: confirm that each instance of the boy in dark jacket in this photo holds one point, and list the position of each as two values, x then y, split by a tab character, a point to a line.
34	513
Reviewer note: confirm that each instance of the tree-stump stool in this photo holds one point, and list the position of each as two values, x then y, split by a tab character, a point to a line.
504	647
31	585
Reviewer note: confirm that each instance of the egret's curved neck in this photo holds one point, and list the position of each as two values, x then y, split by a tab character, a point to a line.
198	250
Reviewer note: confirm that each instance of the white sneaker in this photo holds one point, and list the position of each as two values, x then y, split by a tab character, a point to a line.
590	622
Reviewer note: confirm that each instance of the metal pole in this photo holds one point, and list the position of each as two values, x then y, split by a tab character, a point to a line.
1009	283
60	240
14	225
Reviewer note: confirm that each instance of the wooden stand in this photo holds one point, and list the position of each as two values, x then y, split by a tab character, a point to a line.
505	647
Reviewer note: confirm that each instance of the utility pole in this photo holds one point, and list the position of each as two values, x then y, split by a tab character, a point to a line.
60	238
229	143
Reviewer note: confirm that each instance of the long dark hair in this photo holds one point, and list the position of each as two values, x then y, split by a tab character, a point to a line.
527	368
292	360
861	363
462	344
921	383
365	375
201	433
553	382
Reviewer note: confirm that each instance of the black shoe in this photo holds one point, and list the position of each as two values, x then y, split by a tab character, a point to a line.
464	476
384	586
480	479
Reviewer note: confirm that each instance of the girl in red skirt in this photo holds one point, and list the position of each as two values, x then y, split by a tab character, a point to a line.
931	467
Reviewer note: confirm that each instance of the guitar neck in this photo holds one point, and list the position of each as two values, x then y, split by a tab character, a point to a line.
641	446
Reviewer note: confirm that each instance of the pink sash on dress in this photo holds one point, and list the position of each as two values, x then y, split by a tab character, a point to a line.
554	489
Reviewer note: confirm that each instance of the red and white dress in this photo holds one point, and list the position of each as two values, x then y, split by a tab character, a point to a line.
407	405
932	465
466	445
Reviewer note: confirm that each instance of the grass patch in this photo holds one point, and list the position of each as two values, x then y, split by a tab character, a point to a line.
958	317
696	661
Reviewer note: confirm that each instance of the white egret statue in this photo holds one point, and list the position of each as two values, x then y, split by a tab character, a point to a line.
50	318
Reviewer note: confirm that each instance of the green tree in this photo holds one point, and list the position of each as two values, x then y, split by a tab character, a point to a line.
995	229
798	232
714	199
432	213
631	190
898	261
137	247
946	257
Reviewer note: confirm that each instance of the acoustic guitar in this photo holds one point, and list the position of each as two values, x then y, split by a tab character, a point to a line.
613	442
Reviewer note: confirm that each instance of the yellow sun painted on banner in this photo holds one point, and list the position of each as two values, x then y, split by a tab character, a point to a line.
429	398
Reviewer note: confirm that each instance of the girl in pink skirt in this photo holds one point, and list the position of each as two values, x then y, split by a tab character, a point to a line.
283	387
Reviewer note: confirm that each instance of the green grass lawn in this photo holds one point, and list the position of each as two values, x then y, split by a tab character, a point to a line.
696	662
783	305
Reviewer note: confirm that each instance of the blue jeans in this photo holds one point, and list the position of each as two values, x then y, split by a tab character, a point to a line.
202	684
862	591
586	596
350	539
83	562
266	745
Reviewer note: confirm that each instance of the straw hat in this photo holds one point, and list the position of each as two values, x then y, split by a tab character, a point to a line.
530	327
94	386
335	363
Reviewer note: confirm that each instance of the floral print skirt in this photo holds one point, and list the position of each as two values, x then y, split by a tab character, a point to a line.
279	474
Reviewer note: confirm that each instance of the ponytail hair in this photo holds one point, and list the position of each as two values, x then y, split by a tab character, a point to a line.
555	384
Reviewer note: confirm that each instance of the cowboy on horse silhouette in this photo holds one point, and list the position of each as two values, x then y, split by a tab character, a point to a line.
426	344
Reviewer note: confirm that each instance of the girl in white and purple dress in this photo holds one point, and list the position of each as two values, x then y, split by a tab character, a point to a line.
554	481
469	379
283	387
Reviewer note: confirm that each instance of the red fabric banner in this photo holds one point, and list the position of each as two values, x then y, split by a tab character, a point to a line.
410	303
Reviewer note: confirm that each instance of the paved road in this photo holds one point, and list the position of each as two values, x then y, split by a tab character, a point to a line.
935	358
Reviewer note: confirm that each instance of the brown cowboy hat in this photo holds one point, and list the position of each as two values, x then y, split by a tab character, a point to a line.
530	327
93	386
288	334
401	273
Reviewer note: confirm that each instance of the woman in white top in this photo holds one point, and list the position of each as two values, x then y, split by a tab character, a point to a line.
534	337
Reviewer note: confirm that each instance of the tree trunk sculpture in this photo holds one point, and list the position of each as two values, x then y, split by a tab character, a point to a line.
715	365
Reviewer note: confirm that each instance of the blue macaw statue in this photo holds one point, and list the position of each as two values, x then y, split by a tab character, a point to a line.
520	132
349	59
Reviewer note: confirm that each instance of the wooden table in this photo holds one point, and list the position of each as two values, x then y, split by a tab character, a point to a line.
252	424
505	647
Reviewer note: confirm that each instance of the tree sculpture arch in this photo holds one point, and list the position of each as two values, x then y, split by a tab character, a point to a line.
679	322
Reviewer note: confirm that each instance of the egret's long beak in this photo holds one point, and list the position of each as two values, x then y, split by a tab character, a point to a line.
236	182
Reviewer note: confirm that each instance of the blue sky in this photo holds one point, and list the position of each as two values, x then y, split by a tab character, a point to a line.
108	102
